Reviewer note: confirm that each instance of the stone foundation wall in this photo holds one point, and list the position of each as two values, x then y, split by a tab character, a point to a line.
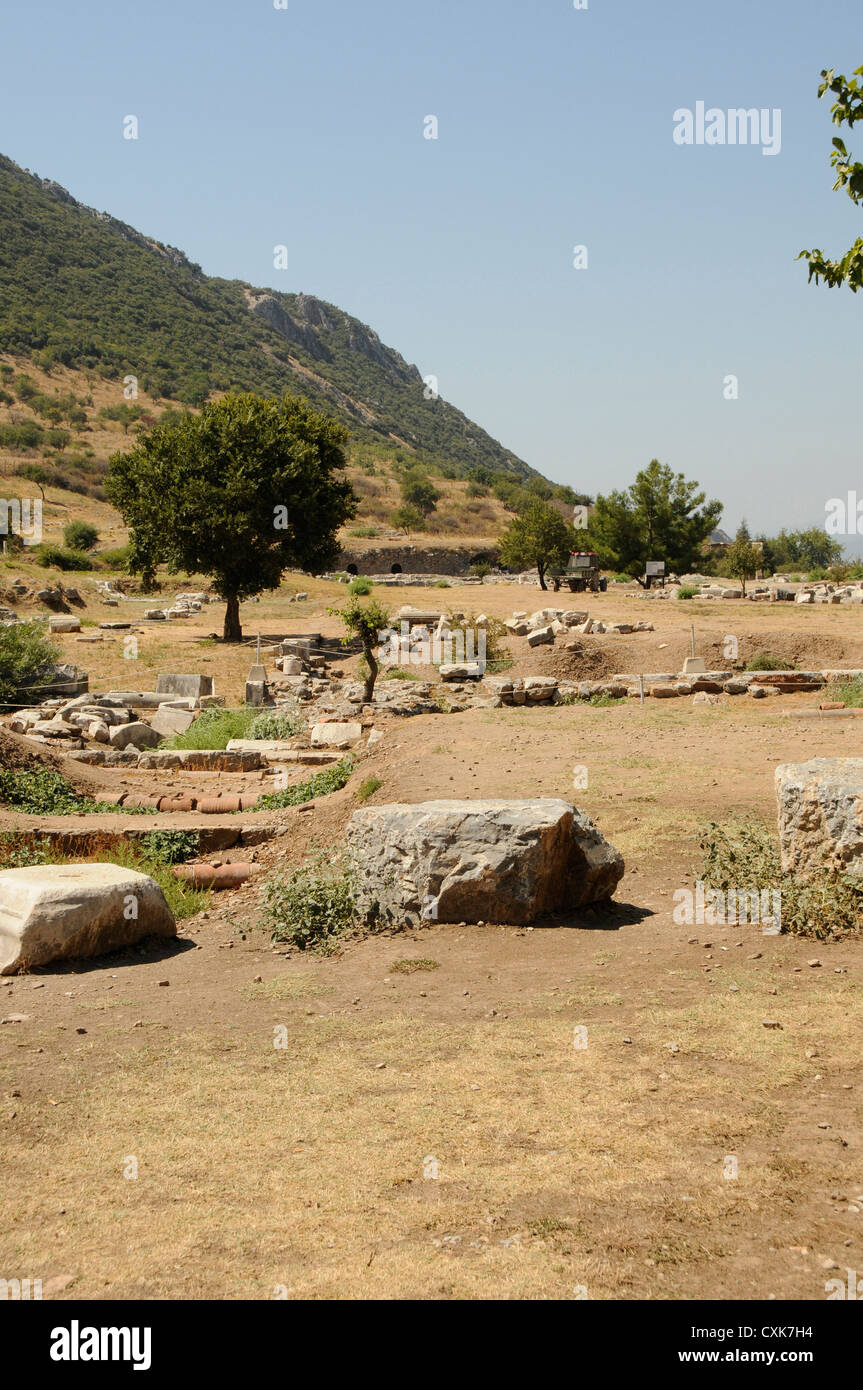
413	559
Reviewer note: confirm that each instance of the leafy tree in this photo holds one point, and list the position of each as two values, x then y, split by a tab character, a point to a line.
810	549
241	492
80	535
406	519
26	657
419	492
847	109
743	558
366	621
539	537
660	517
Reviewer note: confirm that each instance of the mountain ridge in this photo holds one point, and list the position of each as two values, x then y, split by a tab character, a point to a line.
87	290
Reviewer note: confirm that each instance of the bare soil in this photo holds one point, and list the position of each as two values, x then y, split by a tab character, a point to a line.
352	1127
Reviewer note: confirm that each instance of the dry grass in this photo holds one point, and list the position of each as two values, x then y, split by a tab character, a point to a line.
313	1167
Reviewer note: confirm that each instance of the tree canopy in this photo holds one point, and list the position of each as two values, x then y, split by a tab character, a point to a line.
661	516
242	492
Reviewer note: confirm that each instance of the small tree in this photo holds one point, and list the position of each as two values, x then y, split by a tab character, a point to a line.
743	558
80	535
366	621
539	537
406	519
418	492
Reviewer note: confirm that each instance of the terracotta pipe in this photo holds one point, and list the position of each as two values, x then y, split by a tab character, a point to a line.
218	805
177	803
209	876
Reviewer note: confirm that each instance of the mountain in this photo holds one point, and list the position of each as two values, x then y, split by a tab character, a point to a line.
80	288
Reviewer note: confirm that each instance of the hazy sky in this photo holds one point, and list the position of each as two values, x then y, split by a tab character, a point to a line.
304	126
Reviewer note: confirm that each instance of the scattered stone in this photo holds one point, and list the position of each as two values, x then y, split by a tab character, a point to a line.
136	732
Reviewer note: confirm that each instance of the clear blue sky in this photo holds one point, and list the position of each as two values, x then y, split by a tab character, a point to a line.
305	127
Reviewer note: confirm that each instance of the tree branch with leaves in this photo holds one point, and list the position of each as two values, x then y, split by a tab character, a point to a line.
847	109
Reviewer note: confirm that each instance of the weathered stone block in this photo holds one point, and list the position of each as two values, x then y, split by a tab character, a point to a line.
483	860
821	816
57	911
136	732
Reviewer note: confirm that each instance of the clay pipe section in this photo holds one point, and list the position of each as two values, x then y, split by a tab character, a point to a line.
209	876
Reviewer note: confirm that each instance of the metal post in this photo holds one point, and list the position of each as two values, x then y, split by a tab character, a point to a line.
692	637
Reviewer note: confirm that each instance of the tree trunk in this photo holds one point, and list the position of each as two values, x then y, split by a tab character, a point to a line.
232	632
541	573
371	662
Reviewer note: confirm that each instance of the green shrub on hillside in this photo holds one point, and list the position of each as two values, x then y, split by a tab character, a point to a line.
52	557
80	535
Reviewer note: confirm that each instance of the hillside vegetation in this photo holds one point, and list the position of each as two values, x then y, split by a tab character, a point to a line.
80	289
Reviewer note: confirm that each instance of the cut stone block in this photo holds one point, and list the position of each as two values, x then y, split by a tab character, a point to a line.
169	720
416	617
335	735
62	624
218	760
190	687
693	664
466	671
478	861
60	911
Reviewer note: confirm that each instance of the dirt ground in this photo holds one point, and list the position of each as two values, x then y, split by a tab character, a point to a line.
464	1112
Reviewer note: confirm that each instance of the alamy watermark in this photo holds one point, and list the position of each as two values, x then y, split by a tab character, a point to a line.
22	518
715	907
738	126
453	646
844	515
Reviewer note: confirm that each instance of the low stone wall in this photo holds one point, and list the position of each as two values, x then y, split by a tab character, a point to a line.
415	560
